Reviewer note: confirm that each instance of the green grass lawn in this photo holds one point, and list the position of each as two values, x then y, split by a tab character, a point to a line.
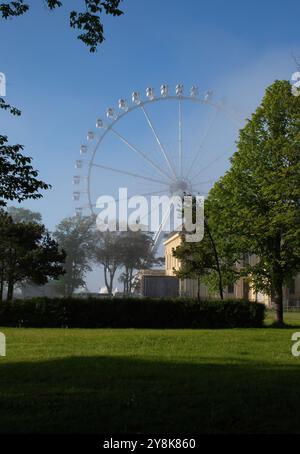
239	380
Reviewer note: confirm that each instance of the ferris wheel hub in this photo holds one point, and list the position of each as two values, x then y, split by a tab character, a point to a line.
180	186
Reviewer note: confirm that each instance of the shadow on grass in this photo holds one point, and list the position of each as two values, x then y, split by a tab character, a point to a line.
113	394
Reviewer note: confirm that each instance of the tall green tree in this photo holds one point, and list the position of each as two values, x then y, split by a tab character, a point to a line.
257	203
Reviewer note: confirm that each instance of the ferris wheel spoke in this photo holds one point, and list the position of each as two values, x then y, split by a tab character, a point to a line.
161	146
149	212
157	236
205	182
200	148
208	165
180	137
140	153
132	174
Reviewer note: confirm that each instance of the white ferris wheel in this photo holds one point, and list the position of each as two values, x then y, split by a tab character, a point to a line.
169	143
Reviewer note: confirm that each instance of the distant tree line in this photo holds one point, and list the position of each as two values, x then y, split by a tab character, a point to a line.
30	255
85	247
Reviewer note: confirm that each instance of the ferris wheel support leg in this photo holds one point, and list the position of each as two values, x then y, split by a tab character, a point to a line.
159	232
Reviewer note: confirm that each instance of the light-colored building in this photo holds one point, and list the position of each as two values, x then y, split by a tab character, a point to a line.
240	289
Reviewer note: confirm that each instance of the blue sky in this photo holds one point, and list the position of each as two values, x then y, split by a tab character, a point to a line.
235	48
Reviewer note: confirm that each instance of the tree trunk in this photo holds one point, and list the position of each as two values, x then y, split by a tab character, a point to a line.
126	280
198	289
10	290
216	258
111	282
1	285
11	277
278	300
110	286
277	283
130	280
105	278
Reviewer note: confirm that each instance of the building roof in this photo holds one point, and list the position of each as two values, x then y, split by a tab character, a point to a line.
172	236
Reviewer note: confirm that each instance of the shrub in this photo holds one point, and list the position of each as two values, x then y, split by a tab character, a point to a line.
130	313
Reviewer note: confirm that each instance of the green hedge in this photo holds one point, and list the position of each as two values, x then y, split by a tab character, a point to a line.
130	313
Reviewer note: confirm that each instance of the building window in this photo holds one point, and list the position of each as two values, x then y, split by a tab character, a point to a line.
230	288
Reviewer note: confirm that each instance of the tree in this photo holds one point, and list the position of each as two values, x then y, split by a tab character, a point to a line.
28	253
75	235
89	20
7	218
128	250
256	203
18	179
107	252
19	214
210	259
136	250
5	225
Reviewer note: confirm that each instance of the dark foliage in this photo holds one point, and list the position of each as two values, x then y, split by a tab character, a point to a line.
89	20
18	179
131	313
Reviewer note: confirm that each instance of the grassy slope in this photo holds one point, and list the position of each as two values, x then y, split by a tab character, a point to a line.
150	380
